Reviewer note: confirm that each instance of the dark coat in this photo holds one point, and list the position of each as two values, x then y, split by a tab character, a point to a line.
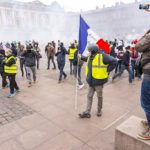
126	58
61	55
30	58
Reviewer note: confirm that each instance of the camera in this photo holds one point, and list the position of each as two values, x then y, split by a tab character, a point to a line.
142	6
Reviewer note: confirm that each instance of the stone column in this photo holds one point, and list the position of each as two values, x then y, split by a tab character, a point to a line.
3	16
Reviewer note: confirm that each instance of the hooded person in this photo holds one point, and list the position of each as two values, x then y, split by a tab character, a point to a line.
10	69
30	63
61	60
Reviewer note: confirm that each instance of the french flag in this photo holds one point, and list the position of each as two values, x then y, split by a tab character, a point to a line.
87	36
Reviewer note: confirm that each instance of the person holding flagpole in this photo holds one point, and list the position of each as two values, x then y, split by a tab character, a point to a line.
99	65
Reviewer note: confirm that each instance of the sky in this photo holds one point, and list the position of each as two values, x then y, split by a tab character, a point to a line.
77	5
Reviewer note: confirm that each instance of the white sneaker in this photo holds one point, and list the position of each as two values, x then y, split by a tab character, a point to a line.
81	86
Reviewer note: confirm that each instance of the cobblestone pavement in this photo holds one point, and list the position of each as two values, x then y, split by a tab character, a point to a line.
12	109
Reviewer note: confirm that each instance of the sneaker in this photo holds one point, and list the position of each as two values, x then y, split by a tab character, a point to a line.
99	114
81	86
59	81
145	126
144	123
9	95
145	136
85	115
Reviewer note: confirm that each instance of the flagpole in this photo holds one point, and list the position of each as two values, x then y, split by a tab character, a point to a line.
76	89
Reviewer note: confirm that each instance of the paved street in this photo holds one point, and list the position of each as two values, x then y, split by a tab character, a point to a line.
43	117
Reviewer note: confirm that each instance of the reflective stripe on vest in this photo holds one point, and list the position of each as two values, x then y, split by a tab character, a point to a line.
12	68
99	69
71	53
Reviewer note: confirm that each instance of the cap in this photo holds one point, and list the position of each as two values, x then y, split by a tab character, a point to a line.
93	48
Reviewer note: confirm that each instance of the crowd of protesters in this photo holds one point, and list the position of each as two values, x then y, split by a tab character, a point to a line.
29	56
122	56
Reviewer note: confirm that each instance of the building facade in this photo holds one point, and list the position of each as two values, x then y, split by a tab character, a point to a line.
35	20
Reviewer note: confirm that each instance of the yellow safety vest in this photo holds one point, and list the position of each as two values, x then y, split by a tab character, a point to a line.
71	53
99	69
10	69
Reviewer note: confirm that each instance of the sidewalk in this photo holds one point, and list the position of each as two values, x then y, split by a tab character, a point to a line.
53	122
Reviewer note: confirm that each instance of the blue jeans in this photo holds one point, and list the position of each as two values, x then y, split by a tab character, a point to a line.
71	66
145	98
118	67
133	67
121	70
61	69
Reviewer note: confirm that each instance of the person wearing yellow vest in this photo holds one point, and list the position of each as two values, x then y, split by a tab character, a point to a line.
98	67
10	69
72	50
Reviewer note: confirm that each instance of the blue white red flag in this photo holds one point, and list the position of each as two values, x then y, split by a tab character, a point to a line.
88	36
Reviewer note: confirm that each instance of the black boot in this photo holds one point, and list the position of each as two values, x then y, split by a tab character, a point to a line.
65	76
99	113
85	115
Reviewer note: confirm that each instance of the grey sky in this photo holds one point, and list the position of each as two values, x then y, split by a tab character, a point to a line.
77	5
